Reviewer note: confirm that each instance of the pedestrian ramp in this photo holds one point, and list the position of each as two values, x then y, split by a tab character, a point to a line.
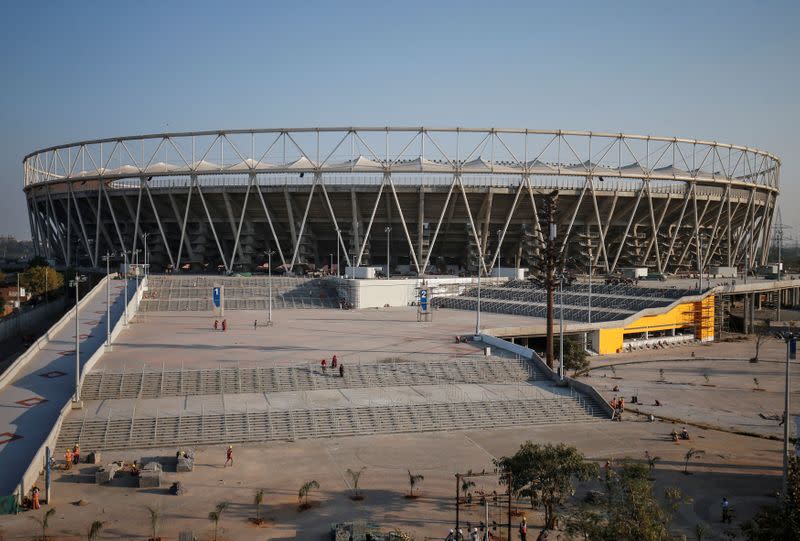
236	380
290	425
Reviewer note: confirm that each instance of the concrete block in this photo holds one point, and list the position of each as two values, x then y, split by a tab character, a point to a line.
184	465
152	467
149	479
93	458
106	473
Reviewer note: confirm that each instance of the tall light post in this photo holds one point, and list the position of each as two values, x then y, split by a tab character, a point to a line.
136	258
478	311
499	254
145	235
330	255
125	263
561	327
388	230
76	402
269	270
338	236
791	345
107	259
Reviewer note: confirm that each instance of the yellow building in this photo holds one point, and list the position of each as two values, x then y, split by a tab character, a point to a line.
696	318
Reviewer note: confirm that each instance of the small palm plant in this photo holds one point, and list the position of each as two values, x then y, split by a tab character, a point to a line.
690	454
356	476
216	514
651	460
94	530
302	494
700	531
413	480
44	521
155	516
257	501
466	484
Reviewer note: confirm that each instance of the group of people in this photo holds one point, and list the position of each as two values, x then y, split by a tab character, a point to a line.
618	405
72	456
683	435
224	325
334	364
475	536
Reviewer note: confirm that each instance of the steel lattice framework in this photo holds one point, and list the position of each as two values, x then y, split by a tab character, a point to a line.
459	197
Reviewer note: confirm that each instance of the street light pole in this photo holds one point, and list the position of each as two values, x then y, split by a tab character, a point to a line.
388	230
76	402
269	263
107	257
125	262
561	327
789	338
478	314
145	235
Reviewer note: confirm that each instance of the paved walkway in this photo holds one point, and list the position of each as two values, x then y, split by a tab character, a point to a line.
30	405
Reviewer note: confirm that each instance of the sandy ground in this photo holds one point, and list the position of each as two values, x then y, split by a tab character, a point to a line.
746	470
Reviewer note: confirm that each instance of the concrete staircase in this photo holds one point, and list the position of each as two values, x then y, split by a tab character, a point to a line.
290	425
193	293
157	384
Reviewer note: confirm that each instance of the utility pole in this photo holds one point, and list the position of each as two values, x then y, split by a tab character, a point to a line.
478	311
76	401
269	270
107	259
551	260
388	230
791	349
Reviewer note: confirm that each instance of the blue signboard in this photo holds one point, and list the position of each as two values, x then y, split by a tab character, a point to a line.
217	296
793	349
423	299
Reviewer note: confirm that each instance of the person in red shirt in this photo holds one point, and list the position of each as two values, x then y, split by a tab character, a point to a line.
324	365
229	456
334	361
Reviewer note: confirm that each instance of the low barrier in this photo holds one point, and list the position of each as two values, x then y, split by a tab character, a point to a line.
37	465
528	353
13	324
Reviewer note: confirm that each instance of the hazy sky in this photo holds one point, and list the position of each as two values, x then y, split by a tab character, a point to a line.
724	71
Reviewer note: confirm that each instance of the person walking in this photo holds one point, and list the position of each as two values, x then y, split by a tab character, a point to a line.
255	324
68	458
229	456
35	497
726	510
76	454
341	371
216	324
451	536
523	529
333	362
324	365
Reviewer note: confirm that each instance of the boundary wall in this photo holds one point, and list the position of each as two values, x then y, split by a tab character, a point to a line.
37	465
11	324
527	353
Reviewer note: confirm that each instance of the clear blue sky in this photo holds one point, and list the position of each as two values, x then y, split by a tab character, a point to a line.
726	71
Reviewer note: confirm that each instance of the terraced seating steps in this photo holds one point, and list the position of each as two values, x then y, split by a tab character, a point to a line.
103	386
290	425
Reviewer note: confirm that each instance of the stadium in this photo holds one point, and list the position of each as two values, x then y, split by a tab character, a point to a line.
431	200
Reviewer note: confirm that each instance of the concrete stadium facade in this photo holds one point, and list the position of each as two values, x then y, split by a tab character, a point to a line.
435	199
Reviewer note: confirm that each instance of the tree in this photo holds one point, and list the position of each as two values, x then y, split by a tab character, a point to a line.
583	523
782	519
39	280
630	511
356	476
761	334
700	531
651	460
257	500
575	357
216	514
690	454
94	530
466	484
413	480
155	516
44	521
546	474
302	494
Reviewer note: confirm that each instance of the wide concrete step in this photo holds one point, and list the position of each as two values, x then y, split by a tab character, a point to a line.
289	425
157	384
